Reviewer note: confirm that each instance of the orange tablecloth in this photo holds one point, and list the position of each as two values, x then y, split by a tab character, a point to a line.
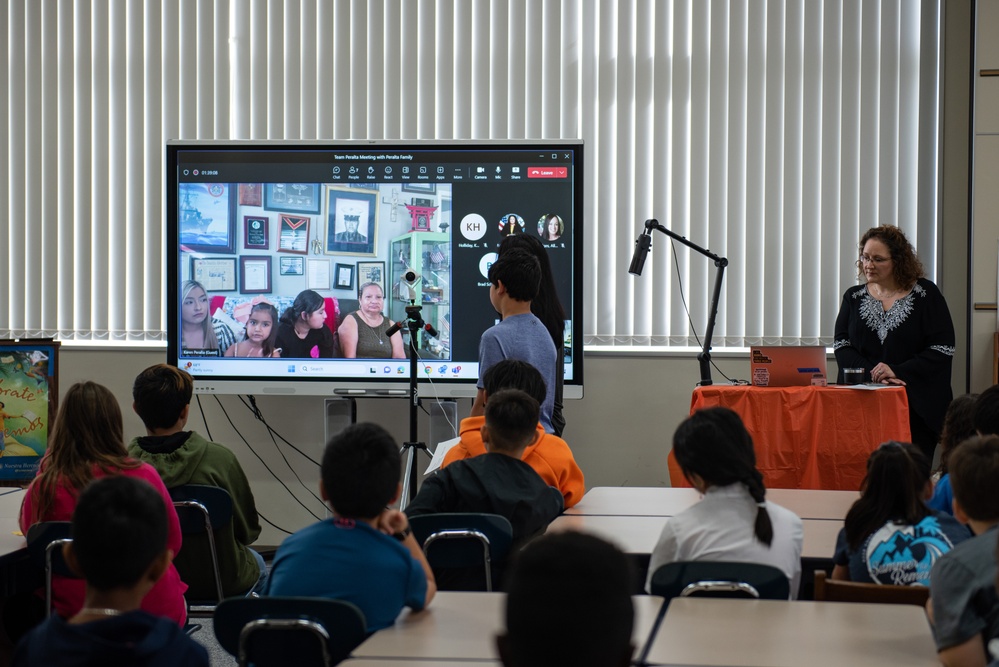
810	437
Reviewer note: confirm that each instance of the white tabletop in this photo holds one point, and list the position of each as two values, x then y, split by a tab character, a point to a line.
11	539
405	662
667	501
637	535
463	626
772	633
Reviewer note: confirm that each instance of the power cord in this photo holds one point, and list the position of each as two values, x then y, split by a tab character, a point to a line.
259	415
679	281
260	458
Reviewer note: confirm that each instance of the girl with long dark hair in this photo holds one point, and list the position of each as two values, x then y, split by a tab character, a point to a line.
733	521
890	536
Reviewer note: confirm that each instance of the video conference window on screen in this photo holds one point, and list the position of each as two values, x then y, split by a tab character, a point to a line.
262	227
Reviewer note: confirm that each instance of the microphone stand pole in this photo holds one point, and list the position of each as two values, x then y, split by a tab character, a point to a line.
704	357
414	322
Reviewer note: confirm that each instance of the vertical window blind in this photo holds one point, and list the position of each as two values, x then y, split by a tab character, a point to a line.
771	132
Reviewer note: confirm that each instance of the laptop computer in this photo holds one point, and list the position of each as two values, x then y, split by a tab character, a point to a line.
785	366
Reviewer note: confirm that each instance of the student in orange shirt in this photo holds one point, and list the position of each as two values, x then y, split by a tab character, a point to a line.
549	454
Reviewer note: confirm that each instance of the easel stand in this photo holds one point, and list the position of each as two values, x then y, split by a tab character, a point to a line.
414	321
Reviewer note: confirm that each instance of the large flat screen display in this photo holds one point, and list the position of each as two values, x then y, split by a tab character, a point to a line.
339	236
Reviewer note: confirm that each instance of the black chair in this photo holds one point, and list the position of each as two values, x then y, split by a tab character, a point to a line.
45	541
202	510
720	579
457	543
283	631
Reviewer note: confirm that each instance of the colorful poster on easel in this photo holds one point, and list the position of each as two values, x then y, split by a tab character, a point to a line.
28	401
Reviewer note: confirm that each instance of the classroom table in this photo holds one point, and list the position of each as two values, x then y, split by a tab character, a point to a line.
810	437
14	564
777	633
637	535
463	626
666	501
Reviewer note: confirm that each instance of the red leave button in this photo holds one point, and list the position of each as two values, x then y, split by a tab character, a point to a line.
547	172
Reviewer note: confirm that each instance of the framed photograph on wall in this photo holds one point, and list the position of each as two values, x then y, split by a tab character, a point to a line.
250	194
292	266
351	220
256	233
29	380
294	197
254	274
207	217
370	272
344	276
216	274
294	234
426	188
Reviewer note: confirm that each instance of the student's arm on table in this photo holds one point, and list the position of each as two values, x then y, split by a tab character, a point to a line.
393	522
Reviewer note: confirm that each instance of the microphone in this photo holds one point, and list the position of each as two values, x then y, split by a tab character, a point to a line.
642	245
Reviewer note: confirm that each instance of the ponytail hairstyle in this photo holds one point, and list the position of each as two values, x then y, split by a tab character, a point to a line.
714	444
892	490
307	302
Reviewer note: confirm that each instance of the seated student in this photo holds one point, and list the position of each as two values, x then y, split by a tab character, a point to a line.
161	396
549	454
734	521
963	606
890	536
569	603
119	547
498	482
87	442
958	426
365	554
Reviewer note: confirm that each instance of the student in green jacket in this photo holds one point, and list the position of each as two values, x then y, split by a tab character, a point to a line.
161	397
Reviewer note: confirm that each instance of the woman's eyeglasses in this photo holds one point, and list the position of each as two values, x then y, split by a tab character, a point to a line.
867	259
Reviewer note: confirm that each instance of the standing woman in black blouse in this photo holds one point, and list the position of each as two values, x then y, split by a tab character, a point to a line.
896	326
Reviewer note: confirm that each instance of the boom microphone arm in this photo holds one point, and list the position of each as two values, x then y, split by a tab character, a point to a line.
642	245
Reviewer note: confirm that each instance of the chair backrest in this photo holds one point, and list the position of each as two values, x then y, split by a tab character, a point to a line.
720	579
288	630
204	509
45	541
215	500
830	590
464	540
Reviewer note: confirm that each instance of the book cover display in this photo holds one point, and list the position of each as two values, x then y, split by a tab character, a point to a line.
28	401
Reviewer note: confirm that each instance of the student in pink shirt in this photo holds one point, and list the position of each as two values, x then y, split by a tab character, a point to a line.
87	443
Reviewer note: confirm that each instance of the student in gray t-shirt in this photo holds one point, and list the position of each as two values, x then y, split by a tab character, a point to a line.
514	278
964	607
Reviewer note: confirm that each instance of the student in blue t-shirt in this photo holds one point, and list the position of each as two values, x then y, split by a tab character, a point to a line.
958	426
514	279
890	536
366	554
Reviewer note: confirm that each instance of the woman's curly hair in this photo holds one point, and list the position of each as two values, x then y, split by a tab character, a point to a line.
905	264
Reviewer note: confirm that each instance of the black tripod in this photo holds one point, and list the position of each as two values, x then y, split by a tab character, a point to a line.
415	324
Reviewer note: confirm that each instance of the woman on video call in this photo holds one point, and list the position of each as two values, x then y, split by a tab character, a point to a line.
302	332
363	333
896	326
199	330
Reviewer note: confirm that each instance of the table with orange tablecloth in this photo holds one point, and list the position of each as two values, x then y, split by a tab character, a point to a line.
810	437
